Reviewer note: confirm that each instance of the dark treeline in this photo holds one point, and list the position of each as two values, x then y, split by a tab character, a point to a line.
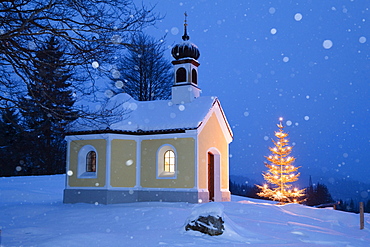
32	138
316	195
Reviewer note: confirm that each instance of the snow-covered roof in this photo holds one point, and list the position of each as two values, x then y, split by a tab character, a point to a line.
129	115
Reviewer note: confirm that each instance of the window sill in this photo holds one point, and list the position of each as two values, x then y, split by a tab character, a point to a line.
167	175
88	175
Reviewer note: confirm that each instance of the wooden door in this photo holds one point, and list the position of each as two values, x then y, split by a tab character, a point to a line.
211	176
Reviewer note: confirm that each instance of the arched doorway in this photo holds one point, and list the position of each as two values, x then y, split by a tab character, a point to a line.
211	177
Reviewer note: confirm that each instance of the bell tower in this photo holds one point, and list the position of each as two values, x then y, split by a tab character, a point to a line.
185	88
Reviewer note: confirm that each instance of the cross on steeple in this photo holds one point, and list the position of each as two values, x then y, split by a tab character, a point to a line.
185	37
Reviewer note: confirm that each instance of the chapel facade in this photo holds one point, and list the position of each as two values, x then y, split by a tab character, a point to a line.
173	150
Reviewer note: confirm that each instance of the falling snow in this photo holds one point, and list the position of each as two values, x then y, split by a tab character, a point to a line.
298	17
327	44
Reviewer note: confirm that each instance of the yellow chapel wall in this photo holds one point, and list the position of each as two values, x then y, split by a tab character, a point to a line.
75	146
123	163
212	136
185	150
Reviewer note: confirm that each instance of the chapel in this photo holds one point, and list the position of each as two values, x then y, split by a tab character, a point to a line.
173	150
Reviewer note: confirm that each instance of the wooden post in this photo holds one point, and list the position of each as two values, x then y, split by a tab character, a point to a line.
362	222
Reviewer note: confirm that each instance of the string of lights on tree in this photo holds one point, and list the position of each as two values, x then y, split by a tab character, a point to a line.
281	171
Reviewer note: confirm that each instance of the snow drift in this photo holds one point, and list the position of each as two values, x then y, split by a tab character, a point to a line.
33	215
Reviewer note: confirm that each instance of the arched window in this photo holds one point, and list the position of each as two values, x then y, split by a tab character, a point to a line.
91	161
88	162
181	75
169	161
194	76
166	162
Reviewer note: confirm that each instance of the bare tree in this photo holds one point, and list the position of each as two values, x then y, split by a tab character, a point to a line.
144	72
90	30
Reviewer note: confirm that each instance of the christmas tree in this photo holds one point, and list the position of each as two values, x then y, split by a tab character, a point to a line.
281	171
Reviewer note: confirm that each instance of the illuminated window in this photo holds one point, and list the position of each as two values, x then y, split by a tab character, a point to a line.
169	161
166	162
91	161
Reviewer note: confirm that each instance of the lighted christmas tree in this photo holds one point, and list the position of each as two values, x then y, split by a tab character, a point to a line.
281	171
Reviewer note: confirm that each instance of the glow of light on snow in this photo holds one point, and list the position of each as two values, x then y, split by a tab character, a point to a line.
119	84
272	10
281	119
116	39
296	124
298	16
285	59
306	118
327	44
288	123
129	162
95	64
115	74
362	39
174	30
273	31
307	96
345	155
181	107
108	93
246	114
265	138
172	115
326	57
69	173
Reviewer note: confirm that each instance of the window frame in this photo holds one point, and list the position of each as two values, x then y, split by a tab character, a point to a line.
161	172
194	76
91	161
82	162
181	75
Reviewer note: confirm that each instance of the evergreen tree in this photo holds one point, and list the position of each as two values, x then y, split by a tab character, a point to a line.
367	207
47	109
146	74
10	146
317	195
281	171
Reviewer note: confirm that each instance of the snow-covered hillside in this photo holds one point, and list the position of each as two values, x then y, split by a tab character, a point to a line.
32	214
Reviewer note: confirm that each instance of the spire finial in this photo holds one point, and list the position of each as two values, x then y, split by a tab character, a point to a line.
185	37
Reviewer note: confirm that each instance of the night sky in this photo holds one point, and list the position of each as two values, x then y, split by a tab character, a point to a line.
305	61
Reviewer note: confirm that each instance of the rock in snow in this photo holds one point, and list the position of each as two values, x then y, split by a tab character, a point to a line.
211	225
207	218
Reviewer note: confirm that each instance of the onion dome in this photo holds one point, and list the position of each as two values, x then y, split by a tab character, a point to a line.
185	49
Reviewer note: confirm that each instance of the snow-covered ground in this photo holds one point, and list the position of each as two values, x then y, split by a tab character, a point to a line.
32	214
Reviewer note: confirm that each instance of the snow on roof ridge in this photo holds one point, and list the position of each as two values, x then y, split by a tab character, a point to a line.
130	115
